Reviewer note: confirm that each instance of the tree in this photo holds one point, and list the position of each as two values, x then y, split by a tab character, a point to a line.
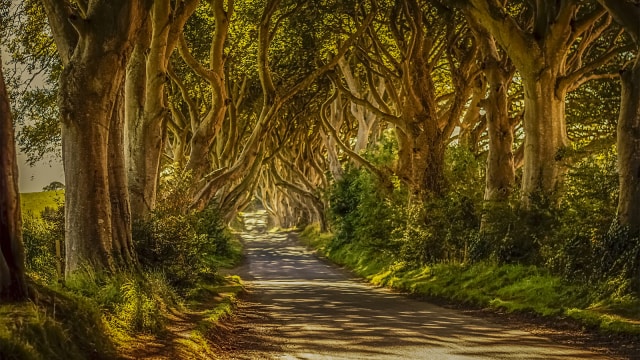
145	109
12	261
94	40
54	185
627	14
500	170
556	47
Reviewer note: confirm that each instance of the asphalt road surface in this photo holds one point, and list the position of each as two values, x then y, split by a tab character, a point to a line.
305	308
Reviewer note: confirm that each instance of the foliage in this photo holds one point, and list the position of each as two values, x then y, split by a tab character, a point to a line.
185	245
619	260
571	234
131	303
43	234
57	324
32	79
54	185
585	216
89	314
44	244
413	229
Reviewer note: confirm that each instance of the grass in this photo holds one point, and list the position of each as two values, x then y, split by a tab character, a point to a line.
213	304
55	324
96	316
34	203
511	288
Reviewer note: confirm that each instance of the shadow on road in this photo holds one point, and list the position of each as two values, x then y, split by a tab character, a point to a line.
315	311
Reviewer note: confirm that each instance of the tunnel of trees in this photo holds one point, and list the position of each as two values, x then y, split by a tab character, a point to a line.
430	130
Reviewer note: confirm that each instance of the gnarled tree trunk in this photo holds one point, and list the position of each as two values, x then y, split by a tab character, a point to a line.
94	44
546	135
628	145
12	265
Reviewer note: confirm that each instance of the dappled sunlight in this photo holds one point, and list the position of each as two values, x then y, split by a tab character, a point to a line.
319	312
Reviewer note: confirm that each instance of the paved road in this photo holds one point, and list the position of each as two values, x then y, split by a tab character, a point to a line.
316	311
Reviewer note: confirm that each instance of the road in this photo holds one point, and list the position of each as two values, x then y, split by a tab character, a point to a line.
303	308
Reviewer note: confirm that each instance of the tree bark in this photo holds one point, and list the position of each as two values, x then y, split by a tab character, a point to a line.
122	242
207	130
546	136
12	262
147	75
89	85
628	138
628	144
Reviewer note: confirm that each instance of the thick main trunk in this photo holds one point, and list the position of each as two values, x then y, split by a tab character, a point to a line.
500	166
545	137
86	115
88	100
12	261
95	46
628	145
421	159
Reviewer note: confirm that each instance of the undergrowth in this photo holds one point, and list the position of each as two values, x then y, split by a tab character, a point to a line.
92	315
509	287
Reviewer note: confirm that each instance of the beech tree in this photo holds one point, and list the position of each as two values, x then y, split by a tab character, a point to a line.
500	168
427	61
12	261
627	14
242	171
146	112
94	40
553	47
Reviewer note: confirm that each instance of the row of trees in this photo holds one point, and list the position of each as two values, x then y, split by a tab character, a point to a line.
492	76
272	98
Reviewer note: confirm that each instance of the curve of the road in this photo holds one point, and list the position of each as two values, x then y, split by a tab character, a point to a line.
313	310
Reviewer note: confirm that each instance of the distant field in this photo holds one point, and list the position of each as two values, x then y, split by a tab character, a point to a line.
34	203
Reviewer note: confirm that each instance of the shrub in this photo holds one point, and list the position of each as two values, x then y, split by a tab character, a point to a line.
44	244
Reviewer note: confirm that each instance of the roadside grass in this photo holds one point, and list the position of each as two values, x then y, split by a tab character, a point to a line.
213	304
96	316
511	288
93	316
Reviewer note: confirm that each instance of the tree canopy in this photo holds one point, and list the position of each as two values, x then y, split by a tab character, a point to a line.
493	105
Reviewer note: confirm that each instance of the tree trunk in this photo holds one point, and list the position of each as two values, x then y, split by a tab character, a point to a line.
122	242
143	139
545	137
86	118
629	148
94	67
206	132
500	177
12	262
500	166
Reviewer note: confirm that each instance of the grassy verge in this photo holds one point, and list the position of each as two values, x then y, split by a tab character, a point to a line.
86	318
513	288
98	316
213	304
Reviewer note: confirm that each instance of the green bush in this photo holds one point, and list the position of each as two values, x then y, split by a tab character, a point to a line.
411	229
56	324
619	260
184	247
43	238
